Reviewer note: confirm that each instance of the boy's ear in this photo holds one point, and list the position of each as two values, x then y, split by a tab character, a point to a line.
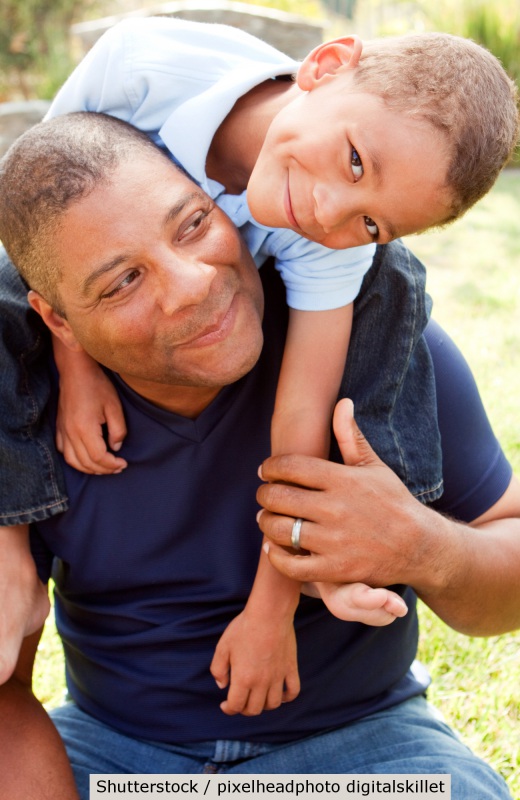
327	58
58	325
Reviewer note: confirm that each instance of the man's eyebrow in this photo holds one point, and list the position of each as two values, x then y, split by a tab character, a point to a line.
176	209
171	215
91	279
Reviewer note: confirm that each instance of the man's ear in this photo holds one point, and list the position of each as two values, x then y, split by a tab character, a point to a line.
327	58
58	325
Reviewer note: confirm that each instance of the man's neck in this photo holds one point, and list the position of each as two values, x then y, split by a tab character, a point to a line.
186	401
239	139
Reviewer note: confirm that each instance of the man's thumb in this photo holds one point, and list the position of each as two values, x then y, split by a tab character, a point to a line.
355	449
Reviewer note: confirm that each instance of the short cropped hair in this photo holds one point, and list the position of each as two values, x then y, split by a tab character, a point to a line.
52	165
462	90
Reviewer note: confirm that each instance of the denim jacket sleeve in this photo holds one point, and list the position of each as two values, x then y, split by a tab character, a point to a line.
32	487
389	373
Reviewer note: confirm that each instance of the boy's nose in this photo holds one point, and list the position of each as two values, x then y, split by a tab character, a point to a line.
333	208
183	283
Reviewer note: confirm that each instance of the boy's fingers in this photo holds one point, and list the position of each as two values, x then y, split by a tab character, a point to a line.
116	426
219	667
256	702
78	457
292	687
94	455
236	700
275	697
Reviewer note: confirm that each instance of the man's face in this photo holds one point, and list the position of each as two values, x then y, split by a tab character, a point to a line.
339	167
157	284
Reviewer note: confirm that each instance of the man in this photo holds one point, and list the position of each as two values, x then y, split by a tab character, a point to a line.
131	261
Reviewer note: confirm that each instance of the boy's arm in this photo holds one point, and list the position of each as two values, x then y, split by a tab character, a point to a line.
258	648
313	364
256	654
87	401
33	760
24	601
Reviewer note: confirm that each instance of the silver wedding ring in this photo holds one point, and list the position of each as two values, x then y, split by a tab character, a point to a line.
295	533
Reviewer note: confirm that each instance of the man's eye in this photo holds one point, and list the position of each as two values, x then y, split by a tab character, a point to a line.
193	224
357	164
371	227
127	280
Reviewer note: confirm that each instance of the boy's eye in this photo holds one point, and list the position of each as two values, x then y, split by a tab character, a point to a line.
357	165
371	227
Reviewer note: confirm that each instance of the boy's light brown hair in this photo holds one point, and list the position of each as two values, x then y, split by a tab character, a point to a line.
461	89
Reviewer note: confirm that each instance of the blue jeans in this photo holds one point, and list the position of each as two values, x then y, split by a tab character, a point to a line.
406	739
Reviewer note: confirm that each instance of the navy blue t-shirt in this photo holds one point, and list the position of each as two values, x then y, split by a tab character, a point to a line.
152	564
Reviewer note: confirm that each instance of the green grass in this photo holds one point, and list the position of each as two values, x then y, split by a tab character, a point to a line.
474	278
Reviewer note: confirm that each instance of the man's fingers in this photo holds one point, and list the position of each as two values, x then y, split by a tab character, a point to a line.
355	450
303	568
289	501
306	471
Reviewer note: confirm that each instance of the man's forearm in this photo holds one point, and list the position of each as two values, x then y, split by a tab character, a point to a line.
33	761
24	602
361	524
477	590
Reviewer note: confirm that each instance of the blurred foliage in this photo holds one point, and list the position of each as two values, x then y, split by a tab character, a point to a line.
304	8
493	25
35	52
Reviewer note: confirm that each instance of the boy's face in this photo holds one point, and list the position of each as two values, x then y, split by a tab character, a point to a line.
342	169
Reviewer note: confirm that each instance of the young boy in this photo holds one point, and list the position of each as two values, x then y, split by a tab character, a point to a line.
333	158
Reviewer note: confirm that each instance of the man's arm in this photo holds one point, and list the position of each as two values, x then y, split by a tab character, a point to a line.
33	761
362	524
24	601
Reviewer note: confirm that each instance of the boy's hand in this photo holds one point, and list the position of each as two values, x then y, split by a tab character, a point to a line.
88	401
256	657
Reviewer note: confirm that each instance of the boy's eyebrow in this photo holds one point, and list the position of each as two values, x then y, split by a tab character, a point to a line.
171	214
375	163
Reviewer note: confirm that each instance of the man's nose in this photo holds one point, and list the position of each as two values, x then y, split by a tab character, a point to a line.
183	283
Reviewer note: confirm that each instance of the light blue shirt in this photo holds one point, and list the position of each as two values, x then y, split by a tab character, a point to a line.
177	81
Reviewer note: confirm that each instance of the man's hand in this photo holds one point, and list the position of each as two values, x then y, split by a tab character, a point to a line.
361	524
24	602
256	657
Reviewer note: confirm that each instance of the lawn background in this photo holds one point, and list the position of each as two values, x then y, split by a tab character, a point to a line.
474	278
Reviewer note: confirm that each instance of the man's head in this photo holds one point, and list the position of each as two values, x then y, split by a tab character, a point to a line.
128	258
385	138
